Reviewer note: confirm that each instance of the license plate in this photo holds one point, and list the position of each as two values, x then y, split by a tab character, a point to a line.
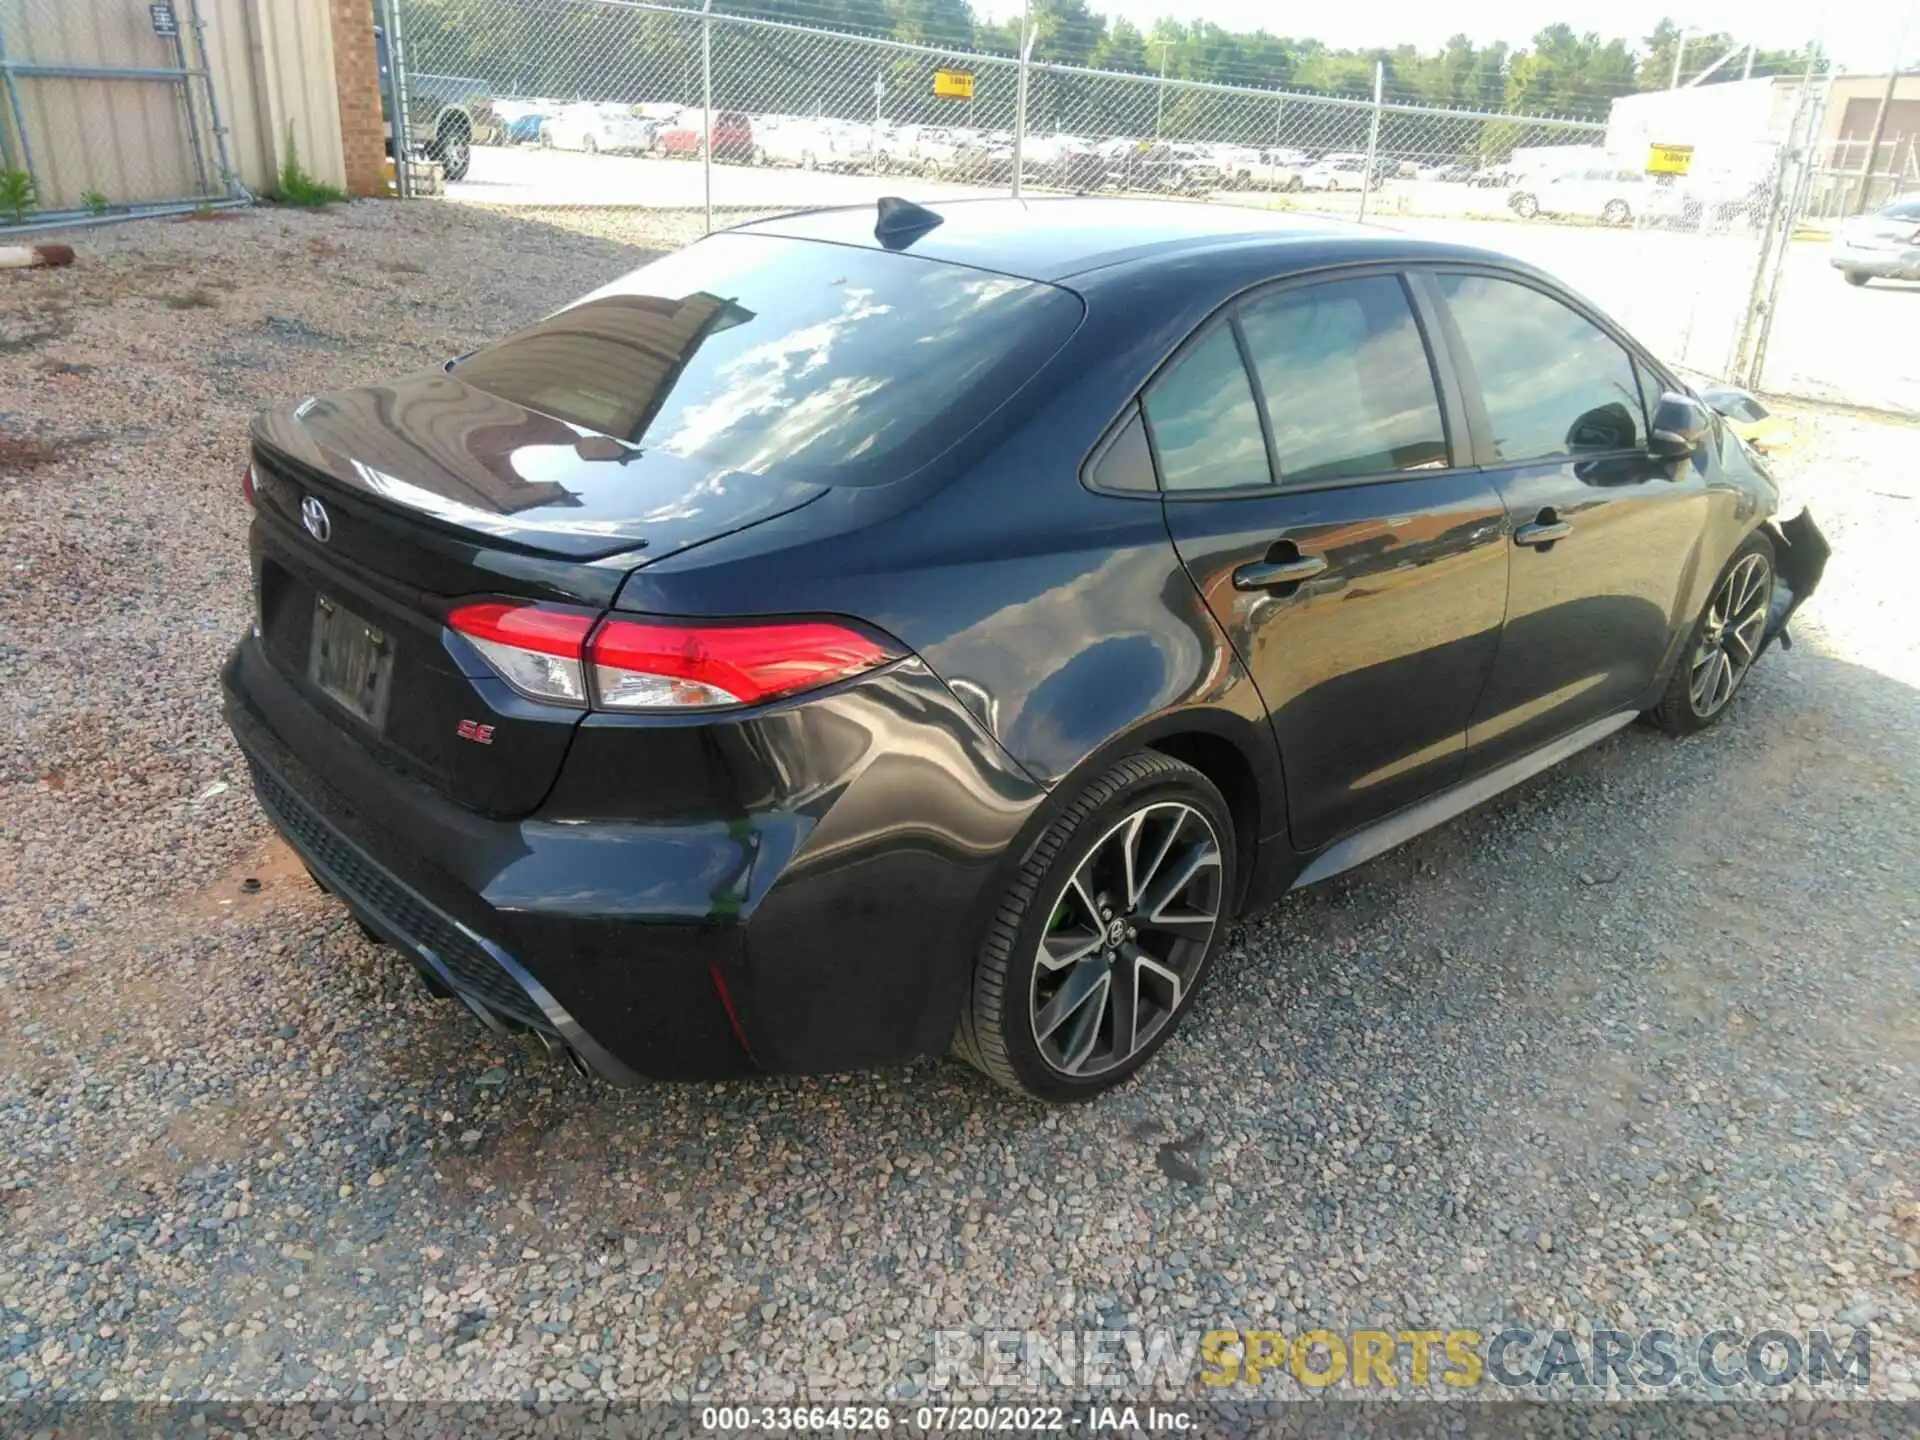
351	661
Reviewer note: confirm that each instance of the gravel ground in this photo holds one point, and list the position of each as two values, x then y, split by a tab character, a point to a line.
1635	1044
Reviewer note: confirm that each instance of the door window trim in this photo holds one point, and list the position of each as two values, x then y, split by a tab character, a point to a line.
1424	278
1448	396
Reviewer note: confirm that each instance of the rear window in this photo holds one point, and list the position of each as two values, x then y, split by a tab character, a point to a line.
1902	210
758	354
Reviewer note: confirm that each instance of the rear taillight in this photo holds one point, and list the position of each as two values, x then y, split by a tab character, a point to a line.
554	654
248	485
536	649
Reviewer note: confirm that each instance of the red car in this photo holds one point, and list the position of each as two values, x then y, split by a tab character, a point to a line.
732	134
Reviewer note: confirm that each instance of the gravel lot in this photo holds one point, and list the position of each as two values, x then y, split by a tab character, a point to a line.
1636	1044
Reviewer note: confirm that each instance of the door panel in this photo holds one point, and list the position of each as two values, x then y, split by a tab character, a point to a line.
1558	411
1361	579
1371	668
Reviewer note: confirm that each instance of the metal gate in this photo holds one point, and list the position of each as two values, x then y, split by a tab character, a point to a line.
106	108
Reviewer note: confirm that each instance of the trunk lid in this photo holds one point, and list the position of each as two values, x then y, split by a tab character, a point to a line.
430	492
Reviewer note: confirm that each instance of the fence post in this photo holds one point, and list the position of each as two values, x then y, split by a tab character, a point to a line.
1273	155
1028	34
396	81
1813	108
229	181
706	105
1373	135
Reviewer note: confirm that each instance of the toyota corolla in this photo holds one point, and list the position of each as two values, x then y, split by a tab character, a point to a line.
867	635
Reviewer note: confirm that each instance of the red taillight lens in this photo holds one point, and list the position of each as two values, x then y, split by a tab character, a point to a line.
646	665
247	483
547	653
536	649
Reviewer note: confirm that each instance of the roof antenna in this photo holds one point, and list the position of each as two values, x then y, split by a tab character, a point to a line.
902	222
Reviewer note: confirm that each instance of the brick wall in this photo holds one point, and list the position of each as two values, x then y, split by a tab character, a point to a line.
356	75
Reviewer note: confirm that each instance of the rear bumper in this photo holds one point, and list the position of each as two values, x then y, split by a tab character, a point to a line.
825	921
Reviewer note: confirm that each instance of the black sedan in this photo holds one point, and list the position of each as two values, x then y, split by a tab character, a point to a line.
860	636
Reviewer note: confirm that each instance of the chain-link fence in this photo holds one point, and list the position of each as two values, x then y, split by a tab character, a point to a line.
105	109
584	102
611	76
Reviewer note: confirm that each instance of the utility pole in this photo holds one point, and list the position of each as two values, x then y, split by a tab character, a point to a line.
1880	116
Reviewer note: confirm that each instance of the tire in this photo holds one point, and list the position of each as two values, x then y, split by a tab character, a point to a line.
453	148
1616	212
1178	828
1856	277
1723	644
1524	205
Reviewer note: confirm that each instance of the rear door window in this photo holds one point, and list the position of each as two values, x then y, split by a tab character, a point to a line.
1345	375
1206	427
759	354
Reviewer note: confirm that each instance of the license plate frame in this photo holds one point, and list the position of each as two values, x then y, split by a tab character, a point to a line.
350	661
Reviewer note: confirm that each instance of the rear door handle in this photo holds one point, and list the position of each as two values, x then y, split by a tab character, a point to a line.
1265	574
1542	530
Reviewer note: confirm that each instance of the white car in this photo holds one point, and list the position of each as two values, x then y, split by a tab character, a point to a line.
1336	172
613	129
1611	194
1241	166
1884	245
794	140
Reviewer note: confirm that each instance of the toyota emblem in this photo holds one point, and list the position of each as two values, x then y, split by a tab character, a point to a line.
314	516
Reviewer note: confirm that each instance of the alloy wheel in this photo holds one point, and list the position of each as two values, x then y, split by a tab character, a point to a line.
1126	939
1736	622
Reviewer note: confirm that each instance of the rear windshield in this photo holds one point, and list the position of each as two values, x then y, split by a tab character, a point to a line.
760	354
1902	210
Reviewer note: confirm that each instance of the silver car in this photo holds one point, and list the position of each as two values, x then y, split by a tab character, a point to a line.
1883	245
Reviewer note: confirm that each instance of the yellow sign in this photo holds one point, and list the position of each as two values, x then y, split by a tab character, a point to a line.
953	84
1669	159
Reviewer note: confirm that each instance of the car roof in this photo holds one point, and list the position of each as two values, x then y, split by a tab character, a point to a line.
1052	239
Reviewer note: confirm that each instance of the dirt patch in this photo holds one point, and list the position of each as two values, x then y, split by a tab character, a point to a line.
254	886
23	454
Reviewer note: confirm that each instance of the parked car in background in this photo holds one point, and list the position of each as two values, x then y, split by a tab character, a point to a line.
867	636
1240	166
1162	166
930	150
447	115
732	134
1339	172
524	130
796	140
1882	246
596	128
1611	194
1066	162
517	122
1452	173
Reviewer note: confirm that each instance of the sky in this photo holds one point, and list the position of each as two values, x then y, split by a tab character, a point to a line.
1860	36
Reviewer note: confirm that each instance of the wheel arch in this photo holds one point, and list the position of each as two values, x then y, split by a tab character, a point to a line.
1237	754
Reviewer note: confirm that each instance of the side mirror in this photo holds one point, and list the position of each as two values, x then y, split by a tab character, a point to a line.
1680	426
